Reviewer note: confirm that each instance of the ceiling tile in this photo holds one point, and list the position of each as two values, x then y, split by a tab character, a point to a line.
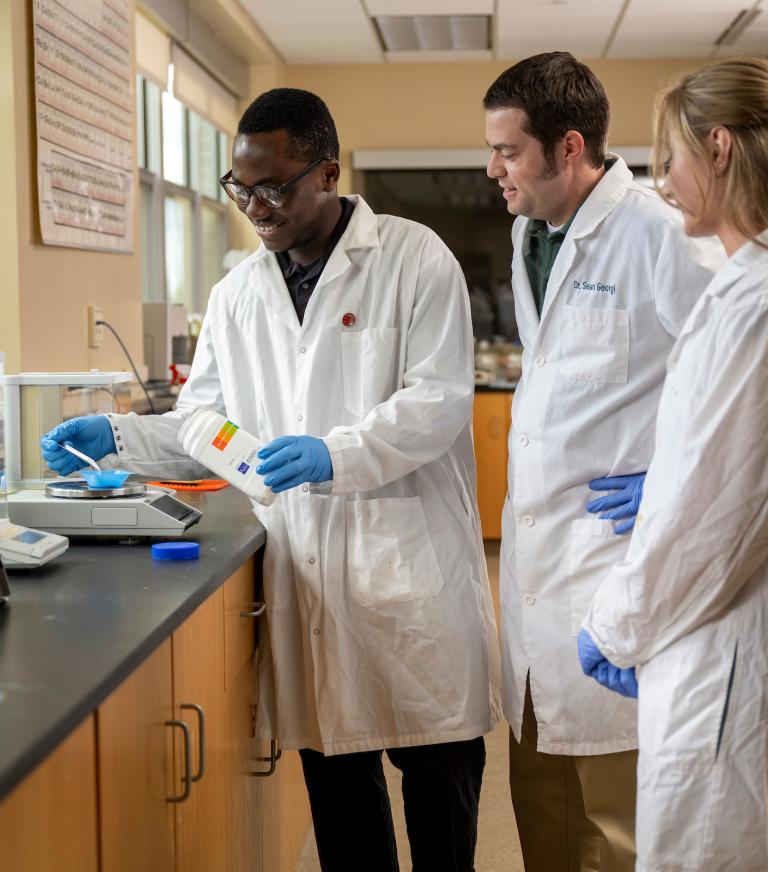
526	27
331	32
652	28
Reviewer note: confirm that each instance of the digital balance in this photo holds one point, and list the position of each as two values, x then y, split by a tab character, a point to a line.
21	547
37	402
70	508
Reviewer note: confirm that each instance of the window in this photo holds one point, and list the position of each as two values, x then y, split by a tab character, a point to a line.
175	143
183	215
179	268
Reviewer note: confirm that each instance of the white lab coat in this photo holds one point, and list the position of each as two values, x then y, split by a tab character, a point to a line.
622	285
380	629
690	600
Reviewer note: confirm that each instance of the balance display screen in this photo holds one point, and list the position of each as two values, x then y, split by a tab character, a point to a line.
172	507
29	537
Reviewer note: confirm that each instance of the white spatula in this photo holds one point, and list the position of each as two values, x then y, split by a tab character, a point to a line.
92	463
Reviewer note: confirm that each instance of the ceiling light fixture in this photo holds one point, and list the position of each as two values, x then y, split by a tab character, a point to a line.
739	24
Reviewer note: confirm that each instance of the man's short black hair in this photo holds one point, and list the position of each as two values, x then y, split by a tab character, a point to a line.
557	94
302	114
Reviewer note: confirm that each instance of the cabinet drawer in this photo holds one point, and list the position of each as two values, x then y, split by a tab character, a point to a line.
239	632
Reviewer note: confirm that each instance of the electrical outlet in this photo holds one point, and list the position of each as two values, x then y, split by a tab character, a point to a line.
95	331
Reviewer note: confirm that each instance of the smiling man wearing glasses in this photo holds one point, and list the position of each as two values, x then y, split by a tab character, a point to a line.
345	345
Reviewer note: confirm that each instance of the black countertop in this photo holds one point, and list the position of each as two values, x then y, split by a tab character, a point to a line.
73	630
496	388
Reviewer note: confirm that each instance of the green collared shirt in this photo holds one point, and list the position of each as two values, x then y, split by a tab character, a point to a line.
541	249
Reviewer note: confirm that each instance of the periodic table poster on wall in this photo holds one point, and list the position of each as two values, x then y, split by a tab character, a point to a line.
84	100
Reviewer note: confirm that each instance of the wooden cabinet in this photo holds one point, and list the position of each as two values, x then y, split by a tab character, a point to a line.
199	701
491	422
49	821
184	715
136	774
245	808
286	814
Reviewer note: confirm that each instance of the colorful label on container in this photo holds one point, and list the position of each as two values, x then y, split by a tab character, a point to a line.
243	468
224	436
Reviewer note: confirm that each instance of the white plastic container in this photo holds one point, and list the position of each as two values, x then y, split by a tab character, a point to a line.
227	450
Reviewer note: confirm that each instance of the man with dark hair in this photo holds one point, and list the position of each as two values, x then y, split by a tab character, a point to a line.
344	344
603	278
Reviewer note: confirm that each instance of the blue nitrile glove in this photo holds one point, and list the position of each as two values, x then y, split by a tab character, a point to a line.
595	665
293	460
623	503
91	434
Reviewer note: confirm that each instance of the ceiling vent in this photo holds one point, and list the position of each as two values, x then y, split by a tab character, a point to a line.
434	32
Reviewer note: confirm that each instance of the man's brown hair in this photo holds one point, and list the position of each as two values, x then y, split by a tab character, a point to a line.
557	94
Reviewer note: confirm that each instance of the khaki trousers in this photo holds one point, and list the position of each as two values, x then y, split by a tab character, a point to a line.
574	814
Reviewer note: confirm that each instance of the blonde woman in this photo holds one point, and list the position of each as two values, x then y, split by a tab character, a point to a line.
689	604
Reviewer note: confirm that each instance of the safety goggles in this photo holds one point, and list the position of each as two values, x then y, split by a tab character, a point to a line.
272	196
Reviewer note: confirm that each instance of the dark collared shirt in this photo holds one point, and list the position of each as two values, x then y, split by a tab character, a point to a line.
301	279
541	249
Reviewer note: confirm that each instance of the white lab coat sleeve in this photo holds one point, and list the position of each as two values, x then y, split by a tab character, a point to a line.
420	421
702	530
684	268
149	442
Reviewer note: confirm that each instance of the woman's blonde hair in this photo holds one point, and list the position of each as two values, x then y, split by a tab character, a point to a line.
731	94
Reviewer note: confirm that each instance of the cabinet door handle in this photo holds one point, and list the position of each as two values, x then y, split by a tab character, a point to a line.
258	611
200	738
186	778
275	754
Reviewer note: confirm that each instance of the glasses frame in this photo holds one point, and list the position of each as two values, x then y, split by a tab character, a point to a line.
278	189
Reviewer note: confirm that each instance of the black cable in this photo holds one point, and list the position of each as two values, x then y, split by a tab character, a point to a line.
133	365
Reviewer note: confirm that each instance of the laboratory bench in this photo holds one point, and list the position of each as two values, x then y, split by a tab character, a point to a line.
126	716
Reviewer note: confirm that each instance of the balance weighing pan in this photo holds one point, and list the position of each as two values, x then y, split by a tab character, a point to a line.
79	490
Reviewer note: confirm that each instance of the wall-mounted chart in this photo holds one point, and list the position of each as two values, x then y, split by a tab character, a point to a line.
85	105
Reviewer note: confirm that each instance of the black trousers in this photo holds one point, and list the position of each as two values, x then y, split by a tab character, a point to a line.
353	819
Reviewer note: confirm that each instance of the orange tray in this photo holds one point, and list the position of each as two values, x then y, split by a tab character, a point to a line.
199	484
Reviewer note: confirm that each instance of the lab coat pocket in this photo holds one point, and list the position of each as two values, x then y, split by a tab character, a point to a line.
368	368
390	556
595	344
594	548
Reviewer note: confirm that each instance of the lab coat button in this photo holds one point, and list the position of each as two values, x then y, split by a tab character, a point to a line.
316	631
303	349
300	417
529	599
524	441
540	361
528	520
311	560
305	488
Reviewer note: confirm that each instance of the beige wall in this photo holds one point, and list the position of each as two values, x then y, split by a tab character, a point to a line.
56	284
440	105
10	330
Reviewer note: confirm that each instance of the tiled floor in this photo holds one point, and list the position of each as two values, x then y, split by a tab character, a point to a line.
498	849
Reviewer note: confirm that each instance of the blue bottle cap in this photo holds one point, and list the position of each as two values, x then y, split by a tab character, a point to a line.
176	551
